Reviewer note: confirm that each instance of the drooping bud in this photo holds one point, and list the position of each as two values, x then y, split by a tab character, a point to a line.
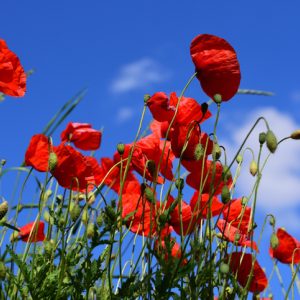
218	98
295	135
85	216
253	168
121	148
14	236
262	137
149	194
47	216
2	162
164	218
224	268
179	184
274	241
75	212
272	220
61	222
199	151
239	159
216	153
226	174
151	166
52	162
3	209
271	141
90	231
225	195
146	98
91	198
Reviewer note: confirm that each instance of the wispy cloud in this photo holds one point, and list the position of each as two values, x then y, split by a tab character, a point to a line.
124	114
279	191
139	74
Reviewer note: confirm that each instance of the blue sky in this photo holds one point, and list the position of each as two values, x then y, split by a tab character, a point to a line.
121	50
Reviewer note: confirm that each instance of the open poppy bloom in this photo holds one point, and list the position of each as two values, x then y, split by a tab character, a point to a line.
31	233
82	135
241	266
12	74
234	235
216	65
288	249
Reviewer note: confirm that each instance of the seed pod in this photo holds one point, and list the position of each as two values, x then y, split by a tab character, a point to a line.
121	148
90	231
199	151
271	141
274	241
3	209
253	168
225	195
262	137
224	268
52	162
295	135
218	98
146	98
216	153
75	212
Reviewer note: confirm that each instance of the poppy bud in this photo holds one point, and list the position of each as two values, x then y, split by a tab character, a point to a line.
224	268
244	201
225	195
239	159
85	216
75	212
146	98
2	271
46	195
52	162
121	148
262	137
217	98
216	153
237	237
204	108
149	195
91	198
90	231
3	209
179	183
110	212
226	174
99	220
164	218
48	247
2	162
61	222
253	168
199	151
47	216
295	135
271	141
14	236
274	241
151	166
272	221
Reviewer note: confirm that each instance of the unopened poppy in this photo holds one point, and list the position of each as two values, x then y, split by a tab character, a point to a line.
82	135
216	65
12	74
241	266
288	249
32	232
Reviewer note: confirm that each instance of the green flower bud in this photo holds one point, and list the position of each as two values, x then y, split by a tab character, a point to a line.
239	159
14	236
199	151
149	194
2	162
111	214
216	152
253	168
61	222
164	218
99	220
226	174
271	141
90	231
85	216
237	237
244	201
262	137
217	98
225	195
48	247
151	167
75	212
179	184
3	209
295	135
274	241
121	148
2	271
52	161
272	221
47	216
224	268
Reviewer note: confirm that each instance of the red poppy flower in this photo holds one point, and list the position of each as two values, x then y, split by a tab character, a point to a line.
203	173
286	249
37	153
31	233
188	222
216	65
241	265
12	75
234	235
82	135
159	128
238	216
200	205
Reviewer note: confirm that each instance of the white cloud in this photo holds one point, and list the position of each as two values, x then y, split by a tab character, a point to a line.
139	74
124	114
279	191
